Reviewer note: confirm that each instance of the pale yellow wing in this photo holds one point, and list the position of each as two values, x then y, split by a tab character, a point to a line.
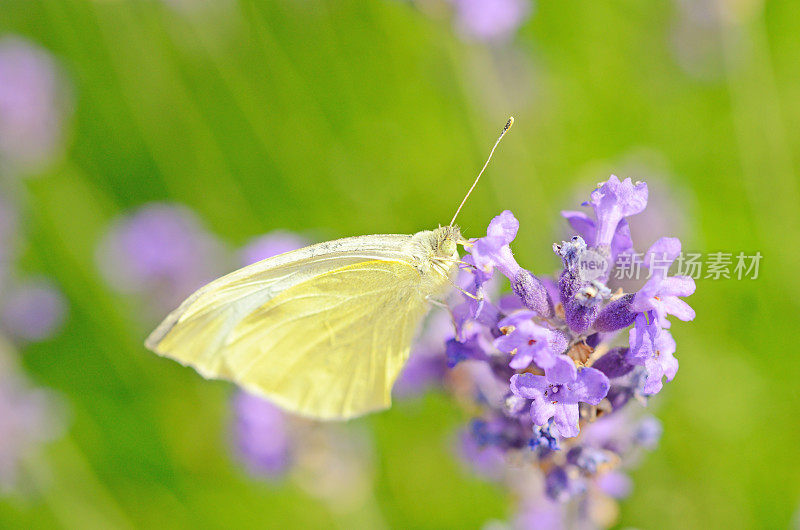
323	333
196	331
331	347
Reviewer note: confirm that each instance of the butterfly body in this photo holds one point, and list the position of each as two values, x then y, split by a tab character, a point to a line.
323	331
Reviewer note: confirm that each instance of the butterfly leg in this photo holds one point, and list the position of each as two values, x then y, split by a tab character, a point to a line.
459	262
437	303
445	274
465	293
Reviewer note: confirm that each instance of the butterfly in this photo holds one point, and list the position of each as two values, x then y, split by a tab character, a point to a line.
323	331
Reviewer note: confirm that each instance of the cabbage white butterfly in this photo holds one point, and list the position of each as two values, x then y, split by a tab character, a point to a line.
322	331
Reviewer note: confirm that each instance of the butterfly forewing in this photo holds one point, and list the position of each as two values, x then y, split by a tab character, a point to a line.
323	331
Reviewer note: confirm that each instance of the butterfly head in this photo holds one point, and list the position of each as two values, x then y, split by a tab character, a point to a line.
436	250
447	238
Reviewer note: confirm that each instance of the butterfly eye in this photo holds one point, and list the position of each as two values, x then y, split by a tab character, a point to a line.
448	247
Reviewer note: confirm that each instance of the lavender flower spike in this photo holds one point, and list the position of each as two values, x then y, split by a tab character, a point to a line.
660	293
560	400
585	393
612	201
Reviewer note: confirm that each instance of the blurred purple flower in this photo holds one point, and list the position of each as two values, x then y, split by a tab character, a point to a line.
698	33
589	459
615	484
623	432
32	105
487	460
470	347
648	432
491	20
260	436
333	463
32	311
540	512
161	252
29	416
326	460
271	244
627	387
427	364
563	484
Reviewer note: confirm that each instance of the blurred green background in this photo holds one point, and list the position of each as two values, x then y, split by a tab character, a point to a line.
349	117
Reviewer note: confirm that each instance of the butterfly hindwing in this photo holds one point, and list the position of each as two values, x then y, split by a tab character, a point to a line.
331	347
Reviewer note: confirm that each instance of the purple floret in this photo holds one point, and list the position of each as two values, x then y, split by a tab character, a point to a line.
660	293
558	400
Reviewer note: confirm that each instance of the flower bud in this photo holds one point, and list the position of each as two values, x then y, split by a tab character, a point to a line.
614	363
533	293
616	315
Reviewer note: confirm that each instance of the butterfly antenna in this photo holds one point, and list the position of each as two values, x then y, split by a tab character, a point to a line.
509	123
